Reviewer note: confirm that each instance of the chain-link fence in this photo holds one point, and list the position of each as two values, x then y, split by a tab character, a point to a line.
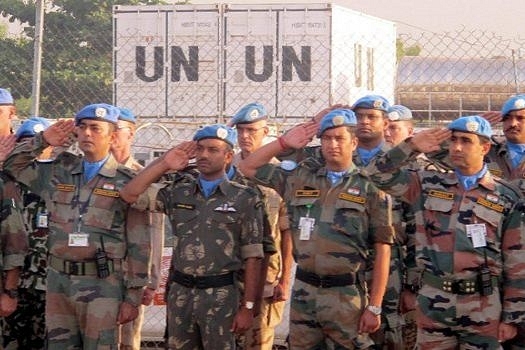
179	67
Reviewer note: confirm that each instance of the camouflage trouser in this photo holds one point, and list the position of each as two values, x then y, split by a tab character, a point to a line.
129	337
451	321
26	327
410	330
201	318
81	311
390	336
326	318
261	335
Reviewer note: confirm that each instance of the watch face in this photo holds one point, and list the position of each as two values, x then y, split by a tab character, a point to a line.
376	310
249	305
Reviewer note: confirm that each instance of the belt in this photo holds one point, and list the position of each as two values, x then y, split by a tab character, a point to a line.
325	281
460	286
80	268
202	282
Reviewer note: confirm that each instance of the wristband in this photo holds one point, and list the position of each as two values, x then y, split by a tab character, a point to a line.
282	143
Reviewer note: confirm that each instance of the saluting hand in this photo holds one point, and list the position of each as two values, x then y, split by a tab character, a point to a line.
429	140
7	143
319	115
300	135
179	156
493	117
59	134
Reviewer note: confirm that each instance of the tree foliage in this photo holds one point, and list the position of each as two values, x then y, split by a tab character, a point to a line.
402	50
76	53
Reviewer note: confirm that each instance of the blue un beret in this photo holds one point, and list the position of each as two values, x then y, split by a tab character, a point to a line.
5	98
127	115
98	111
399	112
372	102
250	113
31	127
473	124
515	103
335	118
217	131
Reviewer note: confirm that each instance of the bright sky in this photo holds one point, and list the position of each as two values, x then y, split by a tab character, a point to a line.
433	15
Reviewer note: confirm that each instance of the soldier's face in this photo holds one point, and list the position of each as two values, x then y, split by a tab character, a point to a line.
7	113
212	155
371	124
337	145
250	136
123	136
95	138
467	152
514	126
398	131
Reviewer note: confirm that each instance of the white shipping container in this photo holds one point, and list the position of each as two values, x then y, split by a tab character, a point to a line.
206	61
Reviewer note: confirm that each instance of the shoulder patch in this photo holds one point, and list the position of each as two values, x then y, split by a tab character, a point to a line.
126	171
288	165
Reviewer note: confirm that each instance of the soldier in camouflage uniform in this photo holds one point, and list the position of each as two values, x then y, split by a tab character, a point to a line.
372	121
26	327
337	216
251	124
92	232
469	239
217	227
506	159
13	235
13	238
130	333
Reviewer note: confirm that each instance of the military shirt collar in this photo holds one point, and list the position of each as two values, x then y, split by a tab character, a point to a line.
323	171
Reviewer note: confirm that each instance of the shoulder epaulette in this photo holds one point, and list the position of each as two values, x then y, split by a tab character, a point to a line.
126	171
508	184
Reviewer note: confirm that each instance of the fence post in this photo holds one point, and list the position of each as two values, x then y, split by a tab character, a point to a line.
37	63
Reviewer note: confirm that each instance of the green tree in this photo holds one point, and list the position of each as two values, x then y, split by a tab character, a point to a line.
77	53
402	51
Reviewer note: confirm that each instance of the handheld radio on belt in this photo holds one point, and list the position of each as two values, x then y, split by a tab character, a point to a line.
101	260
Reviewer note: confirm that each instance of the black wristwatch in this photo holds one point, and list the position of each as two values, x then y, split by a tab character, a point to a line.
12	293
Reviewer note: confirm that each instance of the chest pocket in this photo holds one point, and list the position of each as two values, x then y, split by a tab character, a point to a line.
437	215
105	211
492	217
300	207
439	204
62	211
182	216
350	217
223	219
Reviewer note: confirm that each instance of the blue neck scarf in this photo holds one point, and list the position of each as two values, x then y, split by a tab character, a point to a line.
231	172
469	181
92	169
208	186
516	153
367	155
335	176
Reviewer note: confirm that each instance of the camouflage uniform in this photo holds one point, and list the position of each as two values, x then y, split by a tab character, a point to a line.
390	335
26	327
451	311
212	238
82	309
499	164
13	234
130	333
261	334
349	218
